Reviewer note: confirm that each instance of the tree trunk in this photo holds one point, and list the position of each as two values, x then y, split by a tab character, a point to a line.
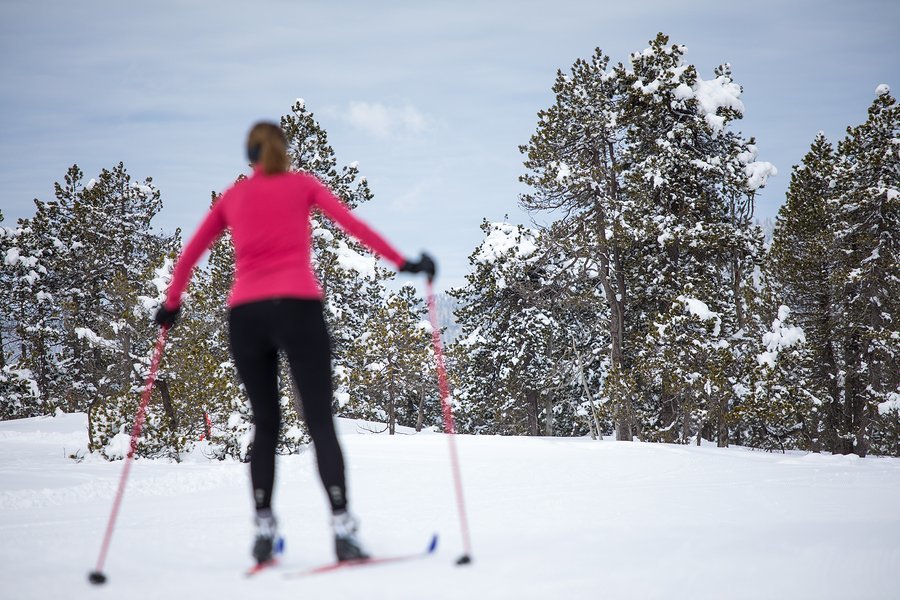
163	386
736	290
531	406
420	414
686	423
126	366
548	416
722	437
616	301
851	412
587	391
392	410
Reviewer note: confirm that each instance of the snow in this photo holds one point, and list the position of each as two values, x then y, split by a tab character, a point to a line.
891	404
683	92
780	338
143	188
503	239
95	340
620	520
350	260
882	89
118	446
758	173
698	308
12	256
321	232
714	94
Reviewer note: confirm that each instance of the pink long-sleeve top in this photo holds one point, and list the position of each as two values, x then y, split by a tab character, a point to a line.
269	219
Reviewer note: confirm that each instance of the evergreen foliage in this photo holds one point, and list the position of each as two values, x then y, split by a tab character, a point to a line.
395	382
659	192
525	355
834	260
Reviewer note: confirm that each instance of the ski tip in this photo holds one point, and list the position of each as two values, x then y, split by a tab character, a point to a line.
259	567
432	545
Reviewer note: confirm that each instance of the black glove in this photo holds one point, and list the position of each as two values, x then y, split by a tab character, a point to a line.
165	317
425	264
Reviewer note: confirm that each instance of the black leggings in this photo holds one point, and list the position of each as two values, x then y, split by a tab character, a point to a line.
258	330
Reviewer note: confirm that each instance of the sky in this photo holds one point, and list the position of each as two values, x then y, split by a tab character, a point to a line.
432	99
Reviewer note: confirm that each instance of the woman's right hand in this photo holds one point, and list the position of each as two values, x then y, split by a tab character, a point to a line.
425	264
166	317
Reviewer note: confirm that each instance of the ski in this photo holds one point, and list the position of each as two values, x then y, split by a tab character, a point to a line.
376	560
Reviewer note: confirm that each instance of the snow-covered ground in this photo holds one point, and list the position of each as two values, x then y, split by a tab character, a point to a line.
550	518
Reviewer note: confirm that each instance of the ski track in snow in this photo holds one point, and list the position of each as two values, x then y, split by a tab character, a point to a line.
550	518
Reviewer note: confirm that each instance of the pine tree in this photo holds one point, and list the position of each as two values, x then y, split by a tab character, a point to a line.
573	163
514	364
801	261
114	252
695	182
19	391
866	209
690	356
32	302
396	384
660	193
778	404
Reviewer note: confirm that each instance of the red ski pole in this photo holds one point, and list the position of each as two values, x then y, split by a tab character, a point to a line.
97	577
449	425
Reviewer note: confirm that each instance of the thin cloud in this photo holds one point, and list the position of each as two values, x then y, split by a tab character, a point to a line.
383	121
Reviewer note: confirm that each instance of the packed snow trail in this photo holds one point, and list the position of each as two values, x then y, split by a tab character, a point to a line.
550	518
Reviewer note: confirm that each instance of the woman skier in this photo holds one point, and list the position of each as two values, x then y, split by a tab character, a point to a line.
276	305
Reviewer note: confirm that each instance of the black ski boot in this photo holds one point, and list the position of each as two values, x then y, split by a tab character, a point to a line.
346	544
266	543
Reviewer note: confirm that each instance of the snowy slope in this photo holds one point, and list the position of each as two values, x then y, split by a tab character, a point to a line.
551	518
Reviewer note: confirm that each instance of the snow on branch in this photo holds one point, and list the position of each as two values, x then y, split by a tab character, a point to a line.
779	338
95	340
504	239
351	260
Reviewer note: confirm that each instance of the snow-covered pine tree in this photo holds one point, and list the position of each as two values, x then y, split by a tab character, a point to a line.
396	384
77	267
515	370
20	395
690	357
573	166
35	376
866	208
494	388
800	263
640	160
777	408
694	182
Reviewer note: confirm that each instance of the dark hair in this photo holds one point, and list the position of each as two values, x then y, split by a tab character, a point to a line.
267	147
